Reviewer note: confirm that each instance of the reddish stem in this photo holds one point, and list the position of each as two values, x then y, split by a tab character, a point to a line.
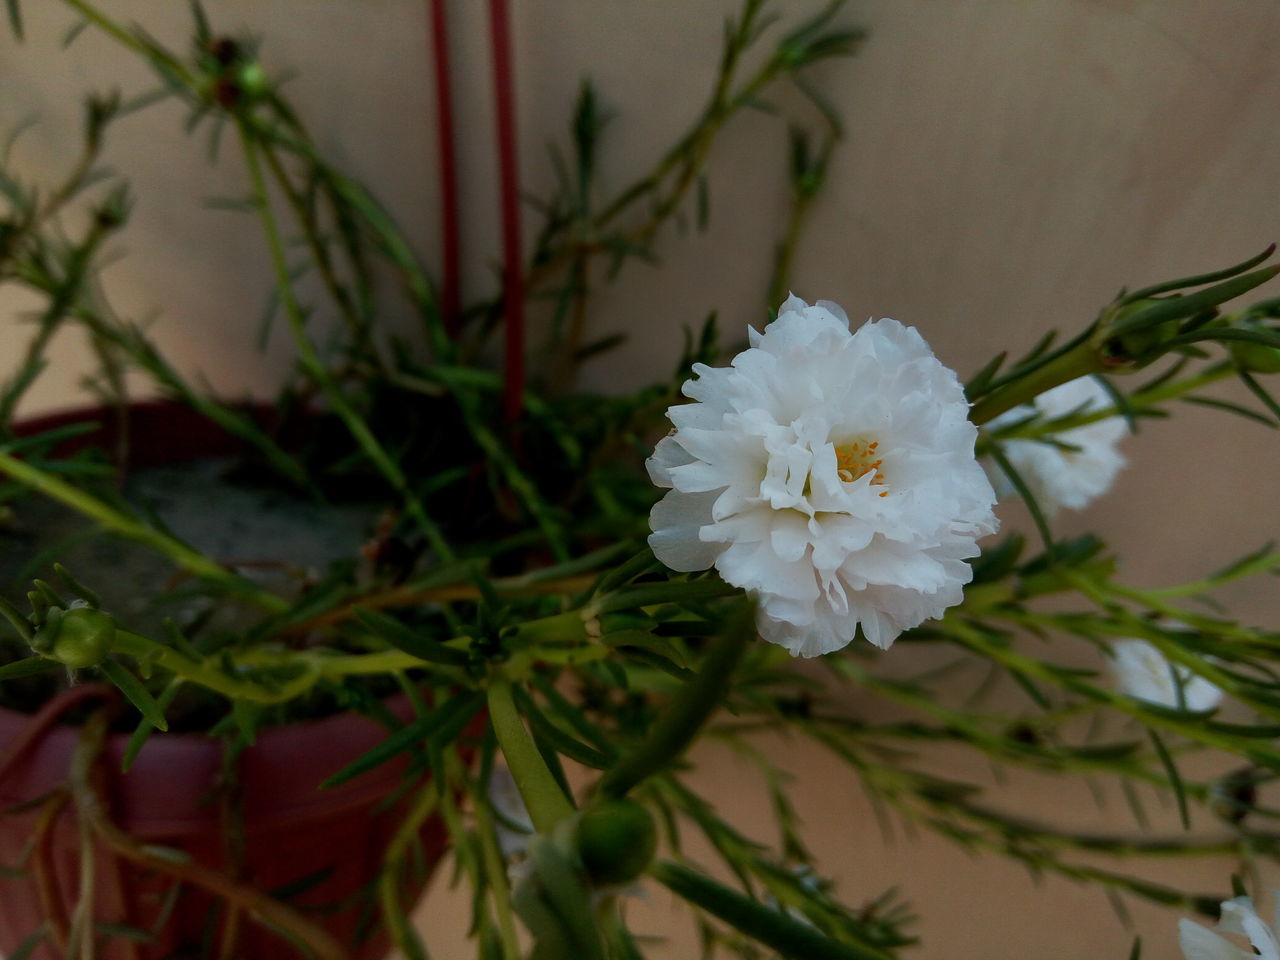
450	291
512	273
43	719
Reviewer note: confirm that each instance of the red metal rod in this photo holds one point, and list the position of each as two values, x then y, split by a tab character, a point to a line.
450	289
512	272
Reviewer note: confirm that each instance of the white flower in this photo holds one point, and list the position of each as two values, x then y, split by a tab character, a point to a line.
513	824
1142	671
830	473
1238	917
1068	476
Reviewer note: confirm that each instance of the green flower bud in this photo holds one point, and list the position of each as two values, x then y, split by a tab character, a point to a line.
252	79
616	840
1254	357
82	637
1131	347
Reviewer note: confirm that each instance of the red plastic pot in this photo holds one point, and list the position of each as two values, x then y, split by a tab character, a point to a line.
327	844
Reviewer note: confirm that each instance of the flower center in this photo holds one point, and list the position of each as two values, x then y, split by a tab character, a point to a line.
856	459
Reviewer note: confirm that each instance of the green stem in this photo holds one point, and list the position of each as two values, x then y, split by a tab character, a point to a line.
496	872
120	523
121	35
357	324
684	717
1079	361
394	913
201	672
315	367
543	797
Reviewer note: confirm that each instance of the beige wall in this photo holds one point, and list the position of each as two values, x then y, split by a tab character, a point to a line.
1009	165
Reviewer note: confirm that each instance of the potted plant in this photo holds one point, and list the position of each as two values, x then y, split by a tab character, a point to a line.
267	661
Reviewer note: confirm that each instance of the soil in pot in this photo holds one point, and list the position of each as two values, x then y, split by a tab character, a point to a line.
268	828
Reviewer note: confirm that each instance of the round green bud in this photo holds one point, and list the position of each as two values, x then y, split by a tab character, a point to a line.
252	79
84	637
616	840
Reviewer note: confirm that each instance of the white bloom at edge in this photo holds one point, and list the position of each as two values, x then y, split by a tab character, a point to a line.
1057	476
513	824
1238	917
1142	671
831	474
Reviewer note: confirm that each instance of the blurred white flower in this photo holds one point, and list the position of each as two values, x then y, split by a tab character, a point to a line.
1064	476
831	474
513	825
1238	917
1142	671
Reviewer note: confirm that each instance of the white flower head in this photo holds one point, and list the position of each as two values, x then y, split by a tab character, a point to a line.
1064	476
1142	671
1240	918
831	474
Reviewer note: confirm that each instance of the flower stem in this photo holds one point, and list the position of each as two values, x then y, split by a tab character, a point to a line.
1080	360
496	873
693	705
543	797
313	365
394	913
149	51
200	672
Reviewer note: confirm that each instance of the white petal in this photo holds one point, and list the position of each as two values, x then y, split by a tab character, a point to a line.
666	454
676	521
1143	672
1073	476
1200	943
1239	916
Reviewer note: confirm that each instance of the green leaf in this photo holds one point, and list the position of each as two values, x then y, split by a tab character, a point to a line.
556	738
1119	401
789	937
76	587
145	727
300	886
136	693
27	668
408	640
15	18
454	712
573	715
1259	391
1175	779
979	381
1024	491
1230	407
1199	280
1175	308
28	946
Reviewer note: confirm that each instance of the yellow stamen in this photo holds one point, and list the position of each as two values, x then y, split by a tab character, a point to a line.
856	459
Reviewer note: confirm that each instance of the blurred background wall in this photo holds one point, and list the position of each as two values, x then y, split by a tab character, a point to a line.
1008	166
